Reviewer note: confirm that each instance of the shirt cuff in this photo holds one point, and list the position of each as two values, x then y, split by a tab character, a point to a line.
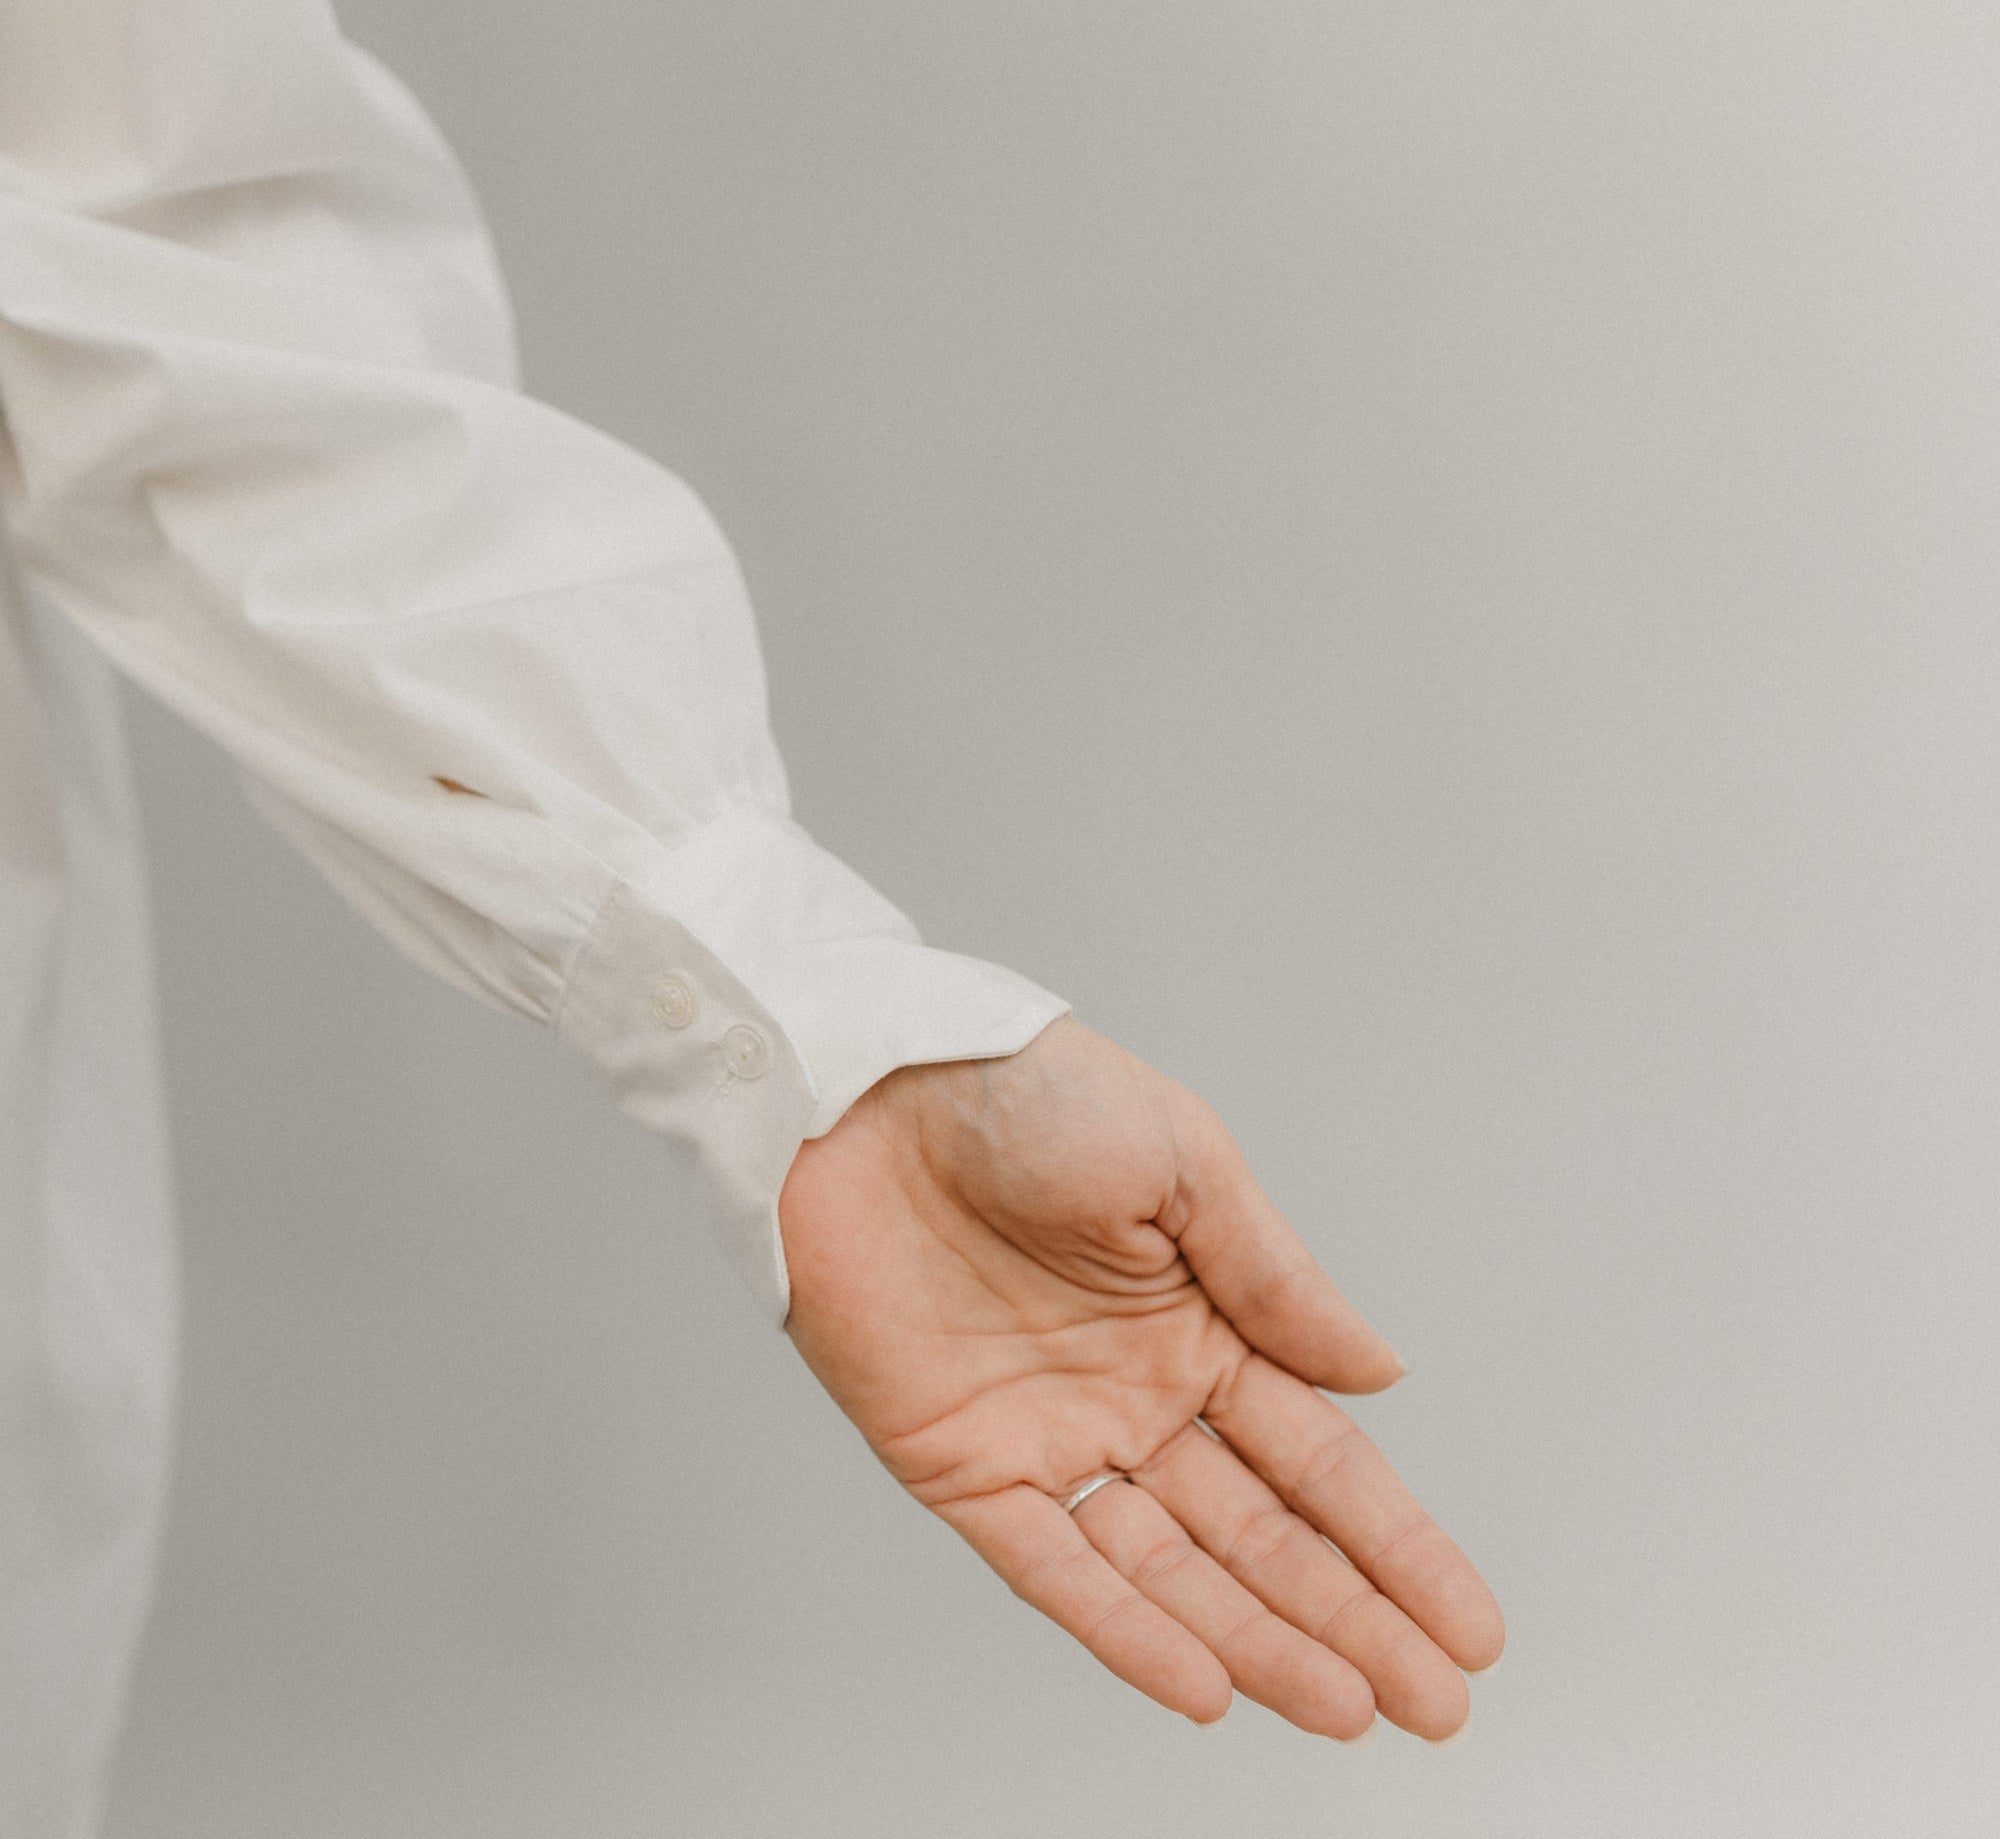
743	990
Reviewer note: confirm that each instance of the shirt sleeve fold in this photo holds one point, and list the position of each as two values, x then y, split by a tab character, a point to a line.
492	670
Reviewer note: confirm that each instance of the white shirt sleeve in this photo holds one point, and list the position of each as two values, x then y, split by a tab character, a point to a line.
492	670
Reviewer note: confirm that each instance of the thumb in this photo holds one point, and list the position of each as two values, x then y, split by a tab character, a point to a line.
1258	1271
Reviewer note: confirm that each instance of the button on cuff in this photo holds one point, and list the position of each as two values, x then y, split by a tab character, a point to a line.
690	1082
745	1052
674	1000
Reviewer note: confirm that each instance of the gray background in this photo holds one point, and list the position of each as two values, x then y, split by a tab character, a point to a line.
1432	567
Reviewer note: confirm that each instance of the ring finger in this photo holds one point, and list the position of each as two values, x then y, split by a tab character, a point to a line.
1267	1658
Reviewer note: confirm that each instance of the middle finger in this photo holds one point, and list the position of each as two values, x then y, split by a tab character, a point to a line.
1292	1570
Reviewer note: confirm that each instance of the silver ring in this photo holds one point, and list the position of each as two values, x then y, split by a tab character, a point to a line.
1071	1502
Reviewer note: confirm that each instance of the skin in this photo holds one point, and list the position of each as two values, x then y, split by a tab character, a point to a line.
1013	1274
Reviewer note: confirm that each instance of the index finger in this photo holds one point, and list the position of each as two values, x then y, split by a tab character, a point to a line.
1326	1470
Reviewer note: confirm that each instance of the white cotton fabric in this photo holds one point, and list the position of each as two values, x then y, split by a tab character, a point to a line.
495	673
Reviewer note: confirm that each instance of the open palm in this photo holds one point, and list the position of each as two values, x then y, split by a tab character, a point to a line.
1015	1275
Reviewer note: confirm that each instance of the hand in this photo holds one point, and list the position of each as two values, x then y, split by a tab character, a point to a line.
1013	1274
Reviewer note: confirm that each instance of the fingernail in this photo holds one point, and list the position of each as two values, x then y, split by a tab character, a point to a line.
1445	1743
1213	1724
1481	1672
1361	1742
